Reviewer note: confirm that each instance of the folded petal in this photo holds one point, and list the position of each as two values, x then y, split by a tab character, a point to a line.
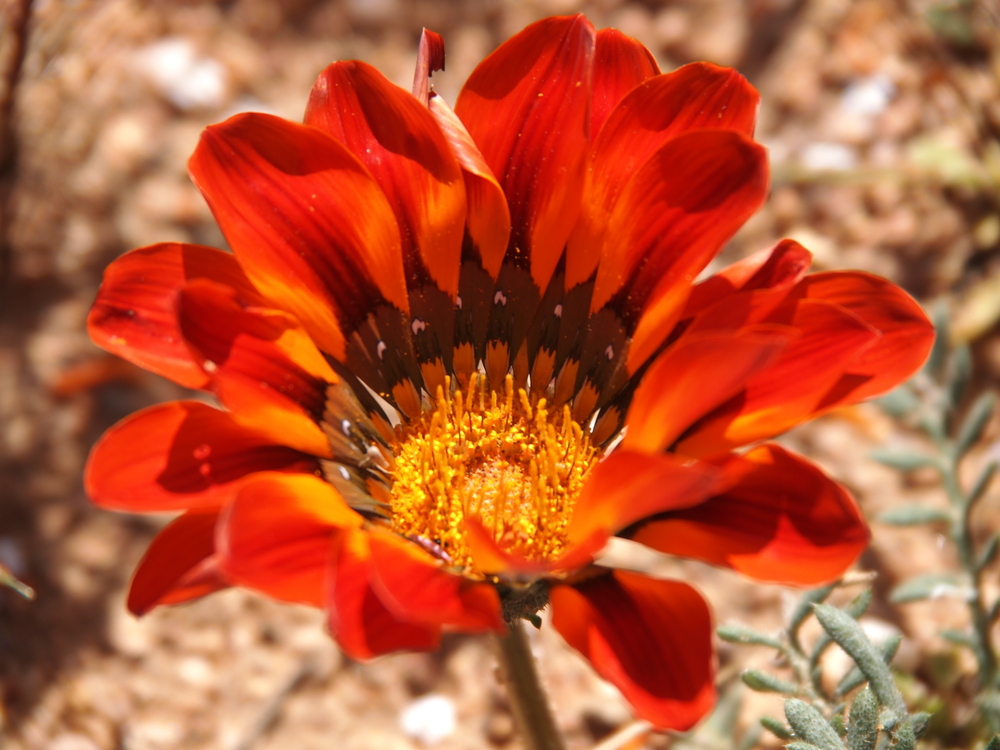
134	316
792	389
620	64
277	534
527	107
362	625
180	455
419	589
652	639
696	96
627	486
694	376
905	340
747	291
430	57
783	521
488	217
179	565
264	366
308	223
398	140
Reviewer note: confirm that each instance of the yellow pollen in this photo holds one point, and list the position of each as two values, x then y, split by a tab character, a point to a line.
500	459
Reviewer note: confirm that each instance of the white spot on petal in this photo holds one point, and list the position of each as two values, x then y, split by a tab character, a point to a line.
499	298
380	348
558	311
609	352
417	326
345	425
210	366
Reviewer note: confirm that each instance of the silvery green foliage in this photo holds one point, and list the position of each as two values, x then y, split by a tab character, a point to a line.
816	719
937	401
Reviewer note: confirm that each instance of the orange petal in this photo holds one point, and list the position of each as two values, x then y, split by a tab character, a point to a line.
905	340
362	625
400	143
308	223
179	565
699	95
488	216
784	521
490	557
179	455
430	57
417	588
693	376
716	302
134	317
792	389
527	108
652	639
264	366
276	536
628	486
620	64
684	203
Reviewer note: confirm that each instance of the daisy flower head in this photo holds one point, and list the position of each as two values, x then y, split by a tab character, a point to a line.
455	351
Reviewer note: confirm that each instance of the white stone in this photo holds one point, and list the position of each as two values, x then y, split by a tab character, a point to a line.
187	80
826	156
429	719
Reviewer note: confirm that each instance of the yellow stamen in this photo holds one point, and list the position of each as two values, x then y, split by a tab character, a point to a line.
509	463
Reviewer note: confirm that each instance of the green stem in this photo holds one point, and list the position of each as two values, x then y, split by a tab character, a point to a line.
528	700
962	536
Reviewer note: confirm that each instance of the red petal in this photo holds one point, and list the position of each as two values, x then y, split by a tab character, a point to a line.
276	536
400	143
906	333
264	366
694	376
134	317
180	455
627	486
309	225
527	107
358	619
792	389
784	521
717	302
419	589
699	95
651	639
675	214
179	565
430	57
488	216
620	64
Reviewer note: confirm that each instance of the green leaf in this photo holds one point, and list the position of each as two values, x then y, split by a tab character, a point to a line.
802	746
862	731
775	727
805	608
837	722
911	515
854	677
900	402
993	744
849	636
939	351
906	738
809	724
902	460
735	633
763	682
929	586
974	422
960	638
960	374
919	721
982	482
855	609
989	552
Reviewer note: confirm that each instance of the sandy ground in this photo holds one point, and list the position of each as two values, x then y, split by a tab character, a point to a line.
883	122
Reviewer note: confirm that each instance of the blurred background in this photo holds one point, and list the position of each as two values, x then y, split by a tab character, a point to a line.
882	118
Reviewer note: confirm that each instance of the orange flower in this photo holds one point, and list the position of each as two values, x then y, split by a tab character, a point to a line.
515	282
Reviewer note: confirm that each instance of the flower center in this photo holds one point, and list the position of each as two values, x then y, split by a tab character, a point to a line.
512	465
